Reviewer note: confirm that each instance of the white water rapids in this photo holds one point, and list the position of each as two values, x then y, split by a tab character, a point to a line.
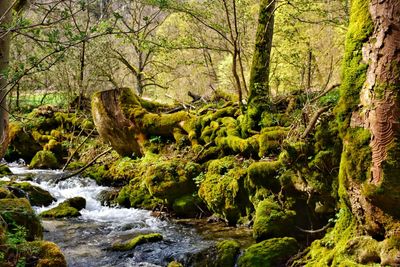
85	240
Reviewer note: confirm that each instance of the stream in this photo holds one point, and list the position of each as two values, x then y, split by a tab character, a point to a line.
85	240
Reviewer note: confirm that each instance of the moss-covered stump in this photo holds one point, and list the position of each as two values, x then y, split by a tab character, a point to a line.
269	253
227	253
44	160
22	144
272	220
138	240
49	254
68	208
18	212
36	195
223	189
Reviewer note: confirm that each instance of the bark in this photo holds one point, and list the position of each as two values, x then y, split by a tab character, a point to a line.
370	167
259	76
5	15
122	120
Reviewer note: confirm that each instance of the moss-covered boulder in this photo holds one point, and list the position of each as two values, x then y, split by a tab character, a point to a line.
5	193
18	212
171	179
138	240
137	195
269	253
48	254
272	220
223	189
44	160
68	208
5	170
22	144
227	253
36	195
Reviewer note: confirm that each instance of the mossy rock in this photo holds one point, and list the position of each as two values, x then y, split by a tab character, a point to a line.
186	206
49	254
263	174
227	253
36	195
44	160
22	144
68	208
269	253
5	170
174	264
18	212
138	240
172	179
5	193
136	195
223	189
272	221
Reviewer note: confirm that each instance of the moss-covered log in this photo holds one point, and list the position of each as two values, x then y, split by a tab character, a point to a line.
122	120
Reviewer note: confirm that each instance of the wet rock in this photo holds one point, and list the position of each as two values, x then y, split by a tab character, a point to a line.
18	212
44	160
36	195
138	240
68	208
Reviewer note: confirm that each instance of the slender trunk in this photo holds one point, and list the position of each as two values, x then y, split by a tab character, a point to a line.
81	75
5	16
309	70
259	76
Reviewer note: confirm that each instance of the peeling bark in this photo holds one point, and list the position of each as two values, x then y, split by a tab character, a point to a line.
381	89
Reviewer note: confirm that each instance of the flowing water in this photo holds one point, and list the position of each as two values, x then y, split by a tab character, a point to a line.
85	241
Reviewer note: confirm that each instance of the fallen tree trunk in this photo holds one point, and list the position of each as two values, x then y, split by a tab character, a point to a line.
123	121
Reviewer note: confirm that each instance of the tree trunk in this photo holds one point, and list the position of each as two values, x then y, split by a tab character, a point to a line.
259	77
5	16
369	112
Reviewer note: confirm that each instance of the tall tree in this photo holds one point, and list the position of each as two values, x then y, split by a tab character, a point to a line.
5	39
259	77
368	115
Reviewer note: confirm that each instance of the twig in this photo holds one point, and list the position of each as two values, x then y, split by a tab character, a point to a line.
180	102
83	168
77	149
314	120
314	231
324	92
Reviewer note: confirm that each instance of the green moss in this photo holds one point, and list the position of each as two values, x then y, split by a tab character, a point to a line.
227	252
68	208
18	212
272	220
171	179
270	141
136	195
36	195
174	264
5	170
186	206
263	174
44	160
269	253
5	193
353	69
49	254
223	189
139	240
97	173
236	145
22	144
